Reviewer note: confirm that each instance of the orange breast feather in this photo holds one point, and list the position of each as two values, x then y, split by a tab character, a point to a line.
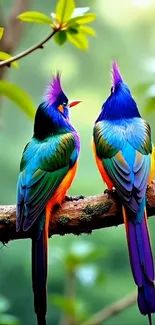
60	192
103	173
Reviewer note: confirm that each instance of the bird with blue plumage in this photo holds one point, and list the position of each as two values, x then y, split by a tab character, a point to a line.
47	169
124	155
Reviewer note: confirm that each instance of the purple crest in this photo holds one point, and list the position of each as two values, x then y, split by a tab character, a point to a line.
54	89
116	76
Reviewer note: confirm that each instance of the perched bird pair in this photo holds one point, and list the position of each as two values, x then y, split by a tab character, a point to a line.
123	152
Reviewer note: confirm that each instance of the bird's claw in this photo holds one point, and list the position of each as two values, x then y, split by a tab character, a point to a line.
113	190
110	192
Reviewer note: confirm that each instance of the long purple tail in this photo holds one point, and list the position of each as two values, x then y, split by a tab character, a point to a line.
141	260
39	276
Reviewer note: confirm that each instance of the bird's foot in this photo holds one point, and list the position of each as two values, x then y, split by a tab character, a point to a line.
113	190
74	198
110	192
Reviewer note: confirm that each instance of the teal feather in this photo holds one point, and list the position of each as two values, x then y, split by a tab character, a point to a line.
117	147
41	175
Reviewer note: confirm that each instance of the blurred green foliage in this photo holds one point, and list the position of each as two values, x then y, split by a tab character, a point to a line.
67	24
5	317
79	269
125	32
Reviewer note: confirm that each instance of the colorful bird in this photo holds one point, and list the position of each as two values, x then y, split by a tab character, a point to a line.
47	169
123	152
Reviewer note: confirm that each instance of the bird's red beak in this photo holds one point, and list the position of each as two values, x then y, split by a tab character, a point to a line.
74	102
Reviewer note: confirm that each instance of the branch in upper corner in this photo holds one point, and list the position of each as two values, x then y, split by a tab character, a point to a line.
30	49
112	310
76	216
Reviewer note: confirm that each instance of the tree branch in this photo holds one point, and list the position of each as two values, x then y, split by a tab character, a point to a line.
30	49
112	310
76	215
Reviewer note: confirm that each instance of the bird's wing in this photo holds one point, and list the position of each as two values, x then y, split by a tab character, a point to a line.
125	158
43	167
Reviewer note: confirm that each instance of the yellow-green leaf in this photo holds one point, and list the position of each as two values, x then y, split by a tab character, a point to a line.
84	19
35	17
64	10
1	32
60	37
79	40
6	56
18	96
87	30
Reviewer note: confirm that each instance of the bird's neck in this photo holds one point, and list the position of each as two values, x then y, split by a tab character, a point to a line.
47	124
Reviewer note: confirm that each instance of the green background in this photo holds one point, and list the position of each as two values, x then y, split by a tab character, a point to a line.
126	32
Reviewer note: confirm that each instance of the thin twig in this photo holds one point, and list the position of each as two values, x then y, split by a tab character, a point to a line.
112	310
30	49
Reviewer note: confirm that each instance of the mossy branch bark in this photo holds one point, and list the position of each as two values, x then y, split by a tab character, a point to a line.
76	215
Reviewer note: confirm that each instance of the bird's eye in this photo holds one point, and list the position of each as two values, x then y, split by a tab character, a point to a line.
64	104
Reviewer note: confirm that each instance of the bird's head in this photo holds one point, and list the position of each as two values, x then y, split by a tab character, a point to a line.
56	100
53	113
120	103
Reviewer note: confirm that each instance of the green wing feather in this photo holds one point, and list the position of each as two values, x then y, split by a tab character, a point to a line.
43	167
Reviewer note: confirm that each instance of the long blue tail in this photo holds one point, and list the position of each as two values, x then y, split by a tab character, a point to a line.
39	275
141	259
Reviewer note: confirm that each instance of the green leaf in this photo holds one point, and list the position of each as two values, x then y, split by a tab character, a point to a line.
64	10
79	40
35	17
85	19
60	37
79	11
6	56
18	96
1	32
87	30
73	30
